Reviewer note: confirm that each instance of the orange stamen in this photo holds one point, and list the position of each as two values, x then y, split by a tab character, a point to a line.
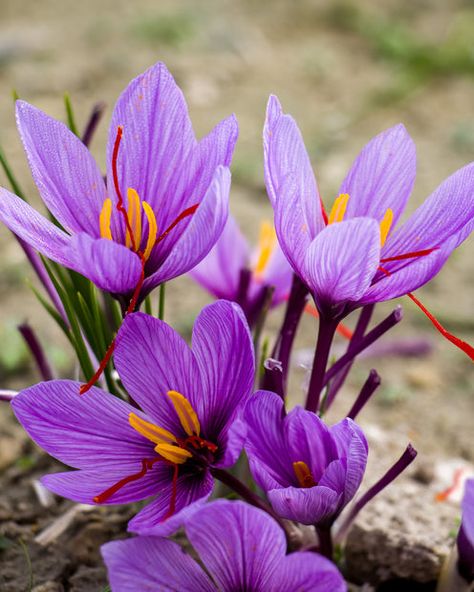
303	474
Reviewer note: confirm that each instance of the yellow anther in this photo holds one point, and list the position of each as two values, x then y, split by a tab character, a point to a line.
187	416
150	431
303	474
135	218
152	229
174	454
266	243
105	215
385	226
339	208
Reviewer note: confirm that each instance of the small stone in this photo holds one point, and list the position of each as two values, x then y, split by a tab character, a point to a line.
404	534
49	587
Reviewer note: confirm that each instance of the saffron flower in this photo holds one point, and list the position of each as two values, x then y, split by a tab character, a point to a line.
191	401
357	255
465	540
162	208
241	547
231	271
309	471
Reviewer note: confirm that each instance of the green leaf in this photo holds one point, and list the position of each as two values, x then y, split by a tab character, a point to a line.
70	114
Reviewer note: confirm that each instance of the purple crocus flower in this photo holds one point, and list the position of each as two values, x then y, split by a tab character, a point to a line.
241	547
356	254
191	401
308	470
465	540
162	208
223	271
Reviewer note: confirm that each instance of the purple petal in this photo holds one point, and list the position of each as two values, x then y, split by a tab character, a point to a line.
67	176
152	359
465	540
110	266
382	176
309	440
443	215
307	572
223	349
291	226
407	276
285	154
314	505
151	563
250	551
231	443
157	135
82	486
33	228
88	431
353	446
200	234
342	260
266	445
219	271
192	493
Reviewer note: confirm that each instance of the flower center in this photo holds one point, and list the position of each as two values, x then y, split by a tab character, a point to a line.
303	474
172	451
266	245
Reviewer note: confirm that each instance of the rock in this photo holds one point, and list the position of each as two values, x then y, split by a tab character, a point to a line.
404	534
87	579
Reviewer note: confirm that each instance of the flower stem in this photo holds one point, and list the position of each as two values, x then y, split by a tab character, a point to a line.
393	318
325	541
393	472
284	343
359	331
161	303
249	496
327	328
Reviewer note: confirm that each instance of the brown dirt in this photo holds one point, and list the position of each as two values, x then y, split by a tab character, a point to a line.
343	87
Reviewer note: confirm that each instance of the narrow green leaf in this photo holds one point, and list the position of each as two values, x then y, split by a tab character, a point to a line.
161	304
70	114
11	176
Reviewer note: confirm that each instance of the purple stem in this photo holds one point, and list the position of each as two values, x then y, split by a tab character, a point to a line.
273	376
325	541
394	471
284	344
43	276
94	119
359	331
248	495
242	290
37	351
393	318
370	386
7	396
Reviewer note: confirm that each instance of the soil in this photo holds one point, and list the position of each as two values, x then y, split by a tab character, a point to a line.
345	70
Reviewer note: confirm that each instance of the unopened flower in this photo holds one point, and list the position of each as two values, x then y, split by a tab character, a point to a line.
163	206
191	401
308	470
223	272
465	540
356	254
241	548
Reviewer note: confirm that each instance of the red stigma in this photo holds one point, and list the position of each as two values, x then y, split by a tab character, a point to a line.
147	464
184	214
323	212
409	255
462	345
174	493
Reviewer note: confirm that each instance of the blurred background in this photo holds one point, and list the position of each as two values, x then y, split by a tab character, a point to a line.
345	70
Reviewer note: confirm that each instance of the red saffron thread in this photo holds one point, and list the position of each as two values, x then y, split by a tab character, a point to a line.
147	464
174	492
462	345
187	212
442	496
409	255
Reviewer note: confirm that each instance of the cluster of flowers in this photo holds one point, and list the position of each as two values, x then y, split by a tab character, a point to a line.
175	419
